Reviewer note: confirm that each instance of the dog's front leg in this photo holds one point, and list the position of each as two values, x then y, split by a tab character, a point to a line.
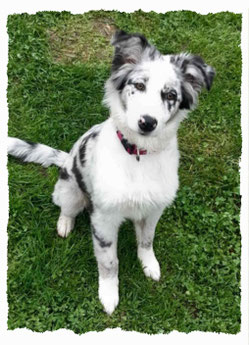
105	235
145	231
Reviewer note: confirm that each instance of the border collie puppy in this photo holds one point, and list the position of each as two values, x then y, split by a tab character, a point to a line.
127	166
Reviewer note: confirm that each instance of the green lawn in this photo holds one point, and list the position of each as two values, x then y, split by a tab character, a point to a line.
58	63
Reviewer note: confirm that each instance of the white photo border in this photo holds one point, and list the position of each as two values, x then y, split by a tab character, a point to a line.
114	335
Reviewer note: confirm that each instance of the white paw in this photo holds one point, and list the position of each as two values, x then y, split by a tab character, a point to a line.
64	225
149	263
152	270
108	294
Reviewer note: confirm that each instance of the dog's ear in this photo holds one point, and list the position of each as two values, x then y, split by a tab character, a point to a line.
129	48
195	74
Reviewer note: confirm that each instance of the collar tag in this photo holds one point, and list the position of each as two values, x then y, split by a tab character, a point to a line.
138	156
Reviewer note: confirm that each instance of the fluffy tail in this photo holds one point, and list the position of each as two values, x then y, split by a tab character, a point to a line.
37	153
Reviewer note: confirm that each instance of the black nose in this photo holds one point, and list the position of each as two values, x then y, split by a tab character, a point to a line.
147	123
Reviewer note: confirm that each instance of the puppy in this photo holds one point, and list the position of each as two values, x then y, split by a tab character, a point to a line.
127	166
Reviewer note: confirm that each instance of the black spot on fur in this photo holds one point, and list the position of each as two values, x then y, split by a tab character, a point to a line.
83	146
102	242
187	99
122	36
23	156
123	104
203	75
146	245
82	185
31	143
124	48
121	80
208	77
169	106
170	103
64	174
82	152
78	176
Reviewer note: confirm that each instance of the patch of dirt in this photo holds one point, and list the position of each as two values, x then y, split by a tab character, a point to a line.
104	27
82	40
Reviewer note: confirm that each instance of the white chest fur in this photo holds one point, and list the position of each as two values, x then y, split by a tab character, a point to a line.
119	182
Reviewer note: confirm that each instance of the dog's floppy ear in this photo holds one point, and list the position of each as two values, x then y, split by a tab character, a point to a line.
129	48
195	74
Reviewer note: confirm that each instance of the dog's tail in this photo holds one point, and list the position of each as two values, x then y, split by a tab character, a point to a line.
28	151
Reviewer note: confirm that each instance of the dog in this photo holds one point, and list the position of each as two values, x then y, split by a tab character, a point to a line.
127	166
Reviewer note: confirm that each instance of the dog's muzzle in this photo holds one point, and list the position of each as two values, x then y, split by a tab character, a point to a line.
147	123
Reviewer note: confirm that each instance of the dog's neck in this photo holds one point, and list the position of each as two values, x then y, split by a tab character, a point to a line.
149	144
130	148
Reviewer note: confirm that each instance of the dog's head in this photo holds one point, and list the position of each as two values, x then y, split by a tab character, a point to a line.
147	90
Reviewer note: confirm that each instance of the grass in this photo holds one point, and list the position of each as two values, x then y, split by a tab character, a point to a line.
58	63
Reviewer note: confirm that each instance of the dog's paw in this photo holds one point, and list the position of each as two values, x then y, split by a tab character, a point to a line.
150	264
65	225
108	294
152	270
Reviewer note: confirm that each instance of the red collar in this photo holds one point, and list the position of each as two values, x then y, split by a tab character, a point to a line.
130	148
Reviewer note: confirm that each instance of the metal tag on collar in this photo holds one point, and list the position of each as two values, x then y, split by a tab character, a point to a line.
138	155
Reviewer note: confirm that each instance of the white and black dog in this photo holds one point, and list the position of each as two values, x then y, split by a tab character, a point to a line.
127	166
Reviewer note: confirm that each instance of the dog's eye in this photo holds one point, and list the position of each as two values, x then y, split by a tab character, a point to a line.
140	86
170	96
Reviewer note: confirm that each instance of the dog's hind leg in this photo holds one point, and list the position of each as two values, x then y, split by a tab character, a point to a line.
145	231
71	199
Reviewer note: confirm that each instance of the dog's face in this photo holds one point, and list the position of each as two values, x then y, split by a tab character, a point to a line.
153	88
149	97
